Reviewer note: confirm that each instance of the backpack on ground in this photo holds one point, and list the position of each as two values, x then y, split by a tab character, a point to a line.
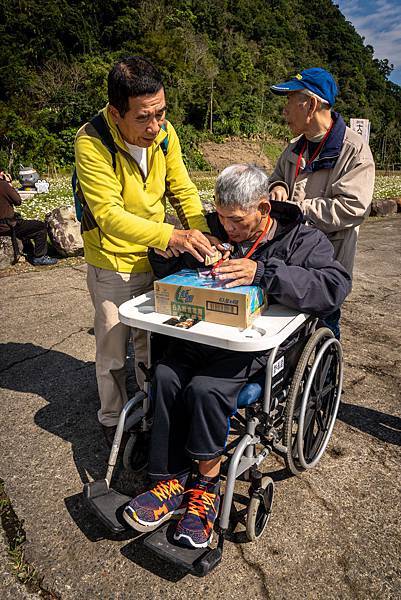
101	127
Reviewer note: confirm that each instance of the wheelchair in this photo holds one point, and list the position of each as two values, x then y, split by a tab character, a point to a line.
290	410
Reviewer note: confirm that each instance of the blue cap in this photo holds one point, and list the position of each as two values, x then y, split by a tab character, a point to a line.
316	80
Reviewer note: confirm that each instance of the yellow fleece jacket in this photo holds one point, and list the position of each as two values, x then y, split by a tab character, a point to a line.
128	210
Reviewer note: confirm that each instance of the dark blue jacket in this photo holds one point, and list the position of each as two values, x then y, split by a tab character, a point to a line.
296	267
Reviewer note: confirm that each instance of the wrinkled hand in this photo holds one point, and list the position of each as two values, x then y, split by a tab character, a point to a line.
238	271
168	253
279	193
192	241
214	241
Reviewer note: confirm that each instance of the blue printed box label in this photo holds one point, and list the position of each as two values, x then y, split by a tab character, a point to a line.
186	294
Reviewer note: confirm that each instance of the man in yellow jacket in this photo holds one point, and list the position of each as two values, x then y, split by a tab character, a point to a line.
123	183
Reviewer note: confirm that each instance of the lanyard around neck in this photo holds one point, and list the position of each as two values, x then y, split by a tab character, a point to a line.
316	152
251	250
260	238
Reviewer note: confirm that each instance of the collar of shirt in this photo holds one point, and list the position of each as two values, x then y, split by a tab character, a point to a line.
332	148
139	155
243	247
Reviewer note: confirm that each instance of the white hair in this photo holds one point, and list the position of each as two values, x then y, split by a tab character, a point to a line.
241	186
306	92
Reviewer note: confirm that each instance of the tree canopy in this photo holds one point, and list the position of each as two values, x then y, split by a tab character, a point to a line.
218	58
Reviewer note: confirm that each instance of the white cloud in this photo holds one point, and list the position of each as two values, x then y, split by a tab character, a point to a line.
379	22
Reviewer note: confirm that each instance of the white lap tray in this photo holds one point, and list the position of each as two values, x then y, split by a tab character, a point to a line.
268	331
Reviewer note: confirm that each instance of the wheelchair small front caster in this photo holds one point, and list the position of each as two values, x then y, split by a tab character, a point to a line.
259	509
135	457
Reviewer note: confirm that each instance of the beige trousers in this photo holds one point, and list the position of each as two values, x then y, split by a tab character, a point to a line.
108	290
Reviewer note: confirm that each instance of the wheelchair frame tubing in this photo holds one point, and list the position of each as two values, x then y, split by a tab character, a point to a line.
139	396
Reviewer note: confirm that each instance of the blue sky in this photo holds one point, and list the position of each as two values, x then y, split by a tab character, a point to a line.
379	22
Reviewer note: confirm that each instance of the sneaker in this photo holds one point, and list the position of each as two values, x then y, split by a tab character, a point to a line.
42	261
195	528
150	509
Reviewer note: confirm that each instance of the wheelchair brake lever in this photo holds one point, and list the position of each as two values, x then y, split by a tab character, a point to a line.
147	372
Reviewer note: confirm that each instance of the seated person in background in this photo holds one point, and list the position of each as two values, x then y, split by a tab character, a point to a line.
26	230
195	387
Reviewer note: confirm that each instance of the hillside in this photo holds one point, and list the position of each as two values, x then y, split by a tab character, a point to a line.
235	150
218	58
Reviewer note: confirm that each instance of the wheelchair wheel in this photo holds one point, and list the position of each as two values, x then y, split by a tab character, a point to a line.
259	509
135	457
313	401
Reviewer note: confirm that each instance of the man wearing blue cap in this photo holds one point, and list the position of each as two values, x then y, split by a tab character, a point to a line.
327	168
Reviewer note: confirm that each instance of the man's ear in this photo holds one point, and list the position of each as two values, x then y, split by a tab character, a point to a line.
115	115
313	106
264	207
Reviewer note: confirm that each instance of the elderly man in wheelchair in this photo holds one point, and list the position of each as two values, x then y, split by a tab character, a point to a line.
195	387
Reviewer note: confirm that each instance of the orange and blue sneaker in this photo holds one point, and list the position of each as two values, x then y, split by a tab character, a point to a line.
195	528
150	509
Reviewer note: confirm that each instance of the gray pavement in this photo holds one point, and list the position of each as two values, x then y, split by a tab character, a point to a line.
335	530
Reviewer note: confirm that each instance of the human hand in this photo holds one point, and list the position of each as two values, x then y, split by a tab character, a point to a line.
214	241
192	241
168	253
225	249
279	193
5	176
239	271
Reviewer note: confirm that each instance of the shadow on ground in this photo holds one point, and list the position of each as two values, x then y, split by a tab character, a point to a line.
384	427
138	554
69	387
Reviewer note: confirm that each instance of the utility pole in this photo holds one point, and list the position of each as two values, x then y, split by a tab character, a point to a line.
211	109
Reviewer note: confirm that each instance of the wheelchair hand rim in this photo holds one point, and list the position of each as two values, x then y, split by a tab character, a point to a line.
301	458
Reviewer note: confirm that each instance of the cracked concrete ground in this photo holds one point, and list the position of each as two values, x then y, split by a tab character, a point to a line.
334	532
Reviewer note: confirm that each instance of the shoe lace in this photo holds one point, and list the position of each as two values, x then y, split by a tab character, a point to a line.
165	489
199	502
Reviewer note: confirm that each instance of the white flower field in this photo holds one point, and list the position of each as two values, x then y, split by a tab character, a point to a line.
60	193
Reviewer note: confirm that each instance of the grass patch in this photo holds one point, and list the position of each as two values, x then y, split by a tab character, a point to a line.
203	181
15	535
205	184
387	186
60	193
272	148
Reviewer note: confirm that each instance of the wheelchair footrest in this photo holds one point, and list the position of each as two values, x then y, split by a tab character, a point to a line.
197	560
107	504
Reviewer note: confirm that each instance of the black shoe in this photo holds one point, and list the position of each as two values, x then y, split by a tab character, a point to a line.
109	433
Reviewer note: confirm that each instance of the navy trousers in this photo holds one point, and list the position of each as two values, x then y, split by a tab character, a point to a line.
333	323
193	395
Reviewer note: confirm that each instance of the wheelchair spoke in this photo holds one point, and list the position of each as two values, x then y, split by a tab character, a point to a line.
308	437
310	411
324	370
314	435
319	419
317	416
328	389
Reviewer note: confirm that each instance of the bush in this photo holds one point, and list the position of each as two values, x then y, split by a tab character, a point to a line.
189	140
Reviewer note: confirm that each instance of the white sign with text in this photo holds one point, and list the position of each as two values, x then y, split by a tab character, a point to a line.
361	126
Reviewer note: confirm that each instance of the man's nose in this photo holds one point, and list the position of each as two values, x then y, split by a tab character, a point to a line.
154	126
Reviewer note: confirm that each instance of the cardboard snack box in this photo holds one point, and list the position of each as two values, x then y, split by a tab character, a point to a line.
186	294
